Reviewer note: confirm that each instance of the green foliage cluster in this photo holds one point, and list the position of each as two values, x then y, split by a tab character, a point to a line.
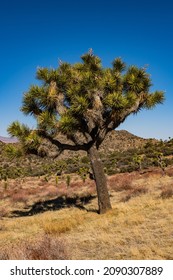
13	151
11	172
83	172
83	98
68	180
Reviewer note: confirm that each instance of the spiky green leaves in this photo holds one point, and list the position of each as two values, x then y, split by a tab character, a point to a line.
32	101
153	99
115	101
85	97
108	82
32	142
13	151
136	80
47	122
118	65
79	104
29	138
16	129
68	124
38	99
46	75
91	62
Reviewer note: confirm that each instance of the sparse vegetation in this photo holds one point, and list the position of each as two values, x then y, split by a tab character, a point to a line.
143	157
167	192
68	218
67	223
45	247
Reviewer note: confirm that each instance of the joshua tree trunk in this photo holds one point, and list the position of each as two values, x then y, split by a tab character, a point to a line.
100	179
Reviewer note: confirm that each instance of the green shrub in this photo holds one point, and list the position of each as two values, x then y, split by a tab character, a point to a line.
68	180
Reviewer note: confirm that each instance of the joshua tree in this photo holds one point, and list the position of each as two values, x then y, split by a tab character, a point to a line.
137	159
83	102
160	161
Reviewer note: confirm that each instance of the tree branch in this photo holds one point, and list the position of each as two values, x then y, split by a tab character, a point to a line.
65	146
117	118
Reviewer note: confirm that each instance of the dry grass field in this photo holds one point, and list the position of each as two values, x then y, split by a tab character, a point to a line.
45	219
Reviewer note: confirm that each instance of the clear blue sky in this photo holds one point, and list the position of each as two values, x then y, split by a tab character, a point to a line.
38	32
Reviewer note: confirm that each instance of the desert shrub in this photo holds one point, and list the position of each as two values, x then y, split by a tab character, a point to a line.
125	160
45	247
68	180
169	172
85	160
12	151
71	168
5	165
57	228
121	183
133	193
3	212
56	180
37	172
51	191
19	197
72	160
110	171
167	192
2	194
63	225
60	166
5	184
12	172
46	178
15	172
76	185
127	168
3	174
82	172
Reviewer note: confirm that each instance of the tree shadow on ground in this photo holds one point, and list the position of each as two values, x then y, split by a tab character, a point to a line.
54	204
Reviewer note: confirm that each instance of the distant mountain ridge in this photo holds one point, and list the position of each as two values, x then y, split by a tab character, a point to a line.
8	140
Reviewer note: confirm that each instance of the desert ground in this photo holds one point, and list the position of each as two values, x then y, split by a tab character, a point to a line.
45	219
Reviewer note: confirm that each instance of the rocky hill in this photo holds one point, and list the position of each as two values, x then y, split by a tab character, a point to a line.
118	152
116	140
118	147
8	140
119	140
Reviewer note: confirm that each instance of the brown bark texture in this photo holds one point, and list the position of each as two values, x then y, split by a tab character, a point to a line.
100	180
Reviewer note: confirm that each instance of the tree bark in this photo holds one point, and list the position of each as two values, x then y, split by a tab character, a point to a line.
100	180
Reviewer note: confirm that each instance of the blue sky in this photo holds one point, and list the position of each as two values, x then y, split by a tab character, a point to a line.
37	32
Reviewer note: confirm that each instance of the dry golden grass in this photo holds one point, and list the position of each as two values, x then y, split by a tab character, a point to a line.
63	224
139	228
44	247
